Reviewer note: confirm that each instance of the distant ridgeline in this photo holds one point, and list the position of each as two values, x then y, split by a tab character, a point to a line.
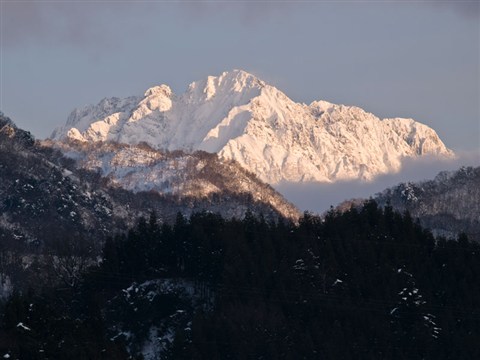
367	283
449	204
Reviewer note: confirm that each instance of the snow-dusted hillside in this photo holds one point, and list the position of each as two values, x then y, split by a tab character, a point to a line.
448	204
42	202
242	118
197	175
46	197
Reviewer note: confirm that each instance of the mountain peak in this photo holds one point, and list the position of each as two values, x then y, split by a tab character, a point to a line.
242	79
241	76
234	81
160	90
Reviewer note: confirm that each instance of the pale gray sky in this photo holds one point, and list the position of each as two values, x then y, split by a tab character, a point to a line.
415	59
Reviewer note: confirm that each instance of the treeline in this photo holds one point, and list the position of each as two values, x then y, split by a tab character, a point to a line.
367	283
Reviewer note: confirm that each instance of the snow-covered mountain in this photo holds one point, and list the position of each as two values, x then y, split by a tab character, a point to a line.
242	118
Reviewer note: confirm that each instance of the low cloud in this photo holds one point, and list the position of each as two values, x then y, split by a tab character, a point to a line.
318	197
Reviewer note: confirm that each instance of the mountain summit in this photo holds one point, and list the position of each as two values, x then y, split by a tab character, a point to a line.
240	117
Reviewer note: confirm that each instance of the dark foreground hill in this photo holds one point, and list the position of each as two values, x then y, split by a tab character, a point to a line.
42	200
51	206
366	283
46	196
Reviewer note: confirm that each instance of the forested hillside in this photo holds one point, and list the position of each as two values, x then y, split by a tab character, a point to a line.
367	283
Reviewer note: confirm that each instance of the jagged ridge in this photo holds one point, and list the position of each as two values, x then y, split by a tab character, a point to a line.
242	118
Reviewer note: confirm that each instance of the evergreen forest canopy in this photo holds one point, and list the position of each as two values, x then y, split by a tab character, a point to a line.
368	283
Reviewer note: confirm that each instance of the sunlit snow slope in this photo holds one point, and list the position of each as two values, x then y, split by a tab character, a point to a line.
241	117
